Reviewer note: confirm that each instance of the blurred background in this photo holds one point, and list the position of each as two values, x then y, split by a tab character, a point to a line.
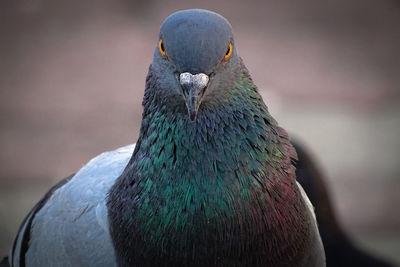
72	78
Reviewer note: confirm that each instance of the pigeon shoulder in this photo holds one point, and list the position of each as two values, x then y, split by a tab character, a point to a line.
69	224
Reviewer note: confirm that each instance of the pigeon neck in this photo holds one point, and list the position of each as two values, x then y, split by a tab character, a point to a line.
240	124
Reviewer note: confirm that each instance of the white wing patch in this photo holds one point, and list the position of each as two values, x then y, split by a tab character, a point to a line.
306	200
316	256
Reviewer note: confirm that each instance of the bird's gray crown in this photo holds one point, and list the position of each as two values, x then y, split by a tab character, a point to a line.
196	40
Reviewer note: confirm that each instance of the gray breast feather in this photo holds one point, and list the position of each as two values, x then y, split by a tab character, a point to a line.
71	229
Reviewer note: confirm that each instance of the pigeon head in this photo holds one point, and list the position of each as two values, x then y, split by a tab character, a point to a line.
195	60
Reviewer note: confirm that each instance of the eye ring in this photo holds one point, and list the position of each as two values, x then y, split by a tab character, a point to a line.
161	47
228	52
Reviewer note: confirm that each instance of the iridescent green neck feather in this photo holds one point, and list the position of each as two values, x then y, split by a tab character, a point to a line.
219	191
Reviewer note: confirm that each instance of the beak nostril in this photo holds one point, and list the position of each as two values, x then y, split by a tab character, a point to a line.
198	81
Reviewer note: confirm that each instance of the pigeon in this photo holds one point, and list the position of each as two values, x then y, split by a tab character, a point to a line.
210	181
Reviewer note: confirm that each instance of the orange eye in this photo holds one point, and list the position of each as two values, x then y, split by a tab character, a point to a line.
228	51
161	47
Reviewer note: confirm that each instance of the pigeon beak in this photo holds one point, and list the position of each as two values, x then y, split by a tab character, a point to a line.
193	88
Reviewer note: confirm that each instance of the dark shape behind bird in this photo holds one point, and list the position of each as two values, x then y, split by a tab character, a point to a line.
4	262
339	249
210	182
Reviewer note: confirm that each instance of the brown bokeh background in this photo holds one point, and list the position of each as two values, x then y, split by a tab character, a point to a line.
72	77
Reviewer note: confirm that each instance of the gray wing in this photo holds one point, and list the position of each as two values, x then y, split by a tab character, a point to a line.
316	255
69	226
